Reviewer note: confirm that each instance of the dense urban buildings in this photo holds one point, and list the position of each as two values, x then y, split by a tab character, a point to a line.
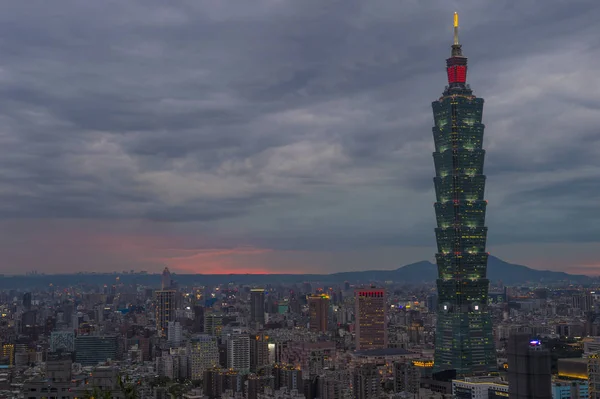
237	358
394	334
464	340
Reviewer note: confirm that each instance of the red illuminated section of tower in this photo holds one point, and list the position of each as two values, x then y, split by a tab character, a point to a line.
456	65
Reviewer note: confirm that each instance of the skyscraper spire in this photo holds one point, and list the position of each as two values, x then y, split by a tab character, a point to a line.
166	281
456	29
464	338
456	65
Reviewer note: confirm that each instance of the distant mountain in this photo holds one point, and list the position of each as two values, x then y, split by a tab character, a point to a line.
420	272
510	273
425	271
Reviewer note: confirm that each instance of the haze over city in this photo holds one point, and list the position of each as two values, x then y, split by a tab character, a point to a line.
287	136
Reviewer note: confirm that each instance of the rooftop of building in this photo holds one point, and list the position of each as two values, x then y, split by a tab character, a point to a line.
383	352
483	379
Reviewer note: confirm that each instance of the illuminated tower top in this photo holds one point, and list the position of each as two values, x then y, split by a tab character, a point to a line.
456	65
456	29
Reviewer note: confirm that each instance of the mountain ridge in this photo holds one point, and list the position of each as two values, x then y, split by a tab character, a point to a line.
498	270
418	272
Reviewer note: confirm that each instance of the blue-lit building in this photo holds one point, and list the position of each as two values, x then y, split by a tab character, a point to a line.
570	389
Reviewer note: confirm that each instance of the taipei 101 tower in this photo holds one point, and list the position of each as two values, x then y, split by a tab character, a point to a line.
463	338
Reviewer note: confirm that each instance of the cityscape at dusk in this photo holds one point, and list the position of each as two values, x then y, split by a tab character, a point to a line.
285	199
286	136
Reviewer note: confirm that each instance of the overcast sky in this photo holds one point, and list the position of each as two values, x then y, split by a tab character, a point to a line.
287	135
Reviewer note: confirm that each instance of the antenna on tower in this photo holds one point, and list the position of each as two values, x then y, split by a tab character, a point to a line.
455	28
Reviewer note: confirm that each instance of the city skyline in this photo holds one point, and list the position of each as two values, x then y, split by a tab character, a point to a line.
285	137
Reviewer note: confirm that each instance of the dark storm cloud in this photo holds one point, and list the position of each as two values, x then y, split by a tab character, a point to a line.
293	124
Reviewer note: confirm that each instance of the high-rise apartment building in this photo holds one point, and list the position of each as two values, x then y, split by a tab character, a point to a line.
27	300
333	385
165	310
406	377
367	382
203	353
257	305
318	308
238	352
463	340
370	312
259	351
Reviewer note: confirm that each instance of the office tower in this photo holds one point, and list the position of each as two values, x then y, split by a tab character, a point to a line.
213	324
93	349
62	341
27	300
432	302
165	281
367	382
99	313
370	312
198	326
28	318
257	305
165	310
259	351
75	319
294	303
529	371
238	352
174	333
463	340
318	307
203	353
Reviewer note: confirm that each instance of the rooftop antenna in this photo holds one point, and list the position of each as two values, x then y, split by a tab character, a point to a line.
456	29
